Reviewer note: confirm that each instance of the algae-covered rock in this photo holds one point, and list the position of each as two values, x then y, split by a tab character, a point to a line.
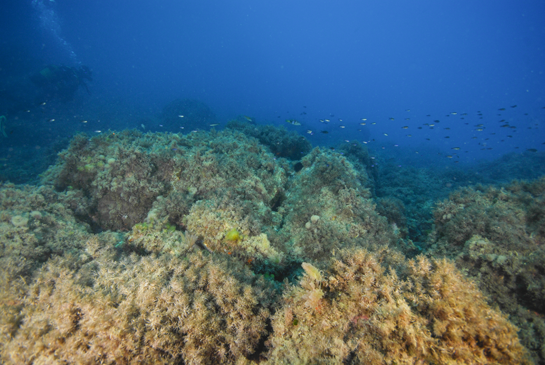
362	313
140	168
280	142
496	236
328	207
207	248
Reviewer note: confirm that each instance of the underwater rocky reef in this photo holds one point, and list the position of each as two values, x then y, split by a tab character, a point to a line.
215	248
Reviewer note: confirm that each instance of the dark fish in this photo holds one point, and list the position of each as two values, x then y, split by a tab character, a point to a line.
531	150
501	109
324	132
513	106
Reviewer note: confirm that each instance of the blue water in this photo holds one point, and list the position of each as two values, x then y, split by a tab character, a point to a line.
401	66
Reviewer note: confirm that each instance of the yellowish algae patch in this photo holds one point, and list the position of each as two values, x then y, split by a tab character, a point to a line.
19	221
